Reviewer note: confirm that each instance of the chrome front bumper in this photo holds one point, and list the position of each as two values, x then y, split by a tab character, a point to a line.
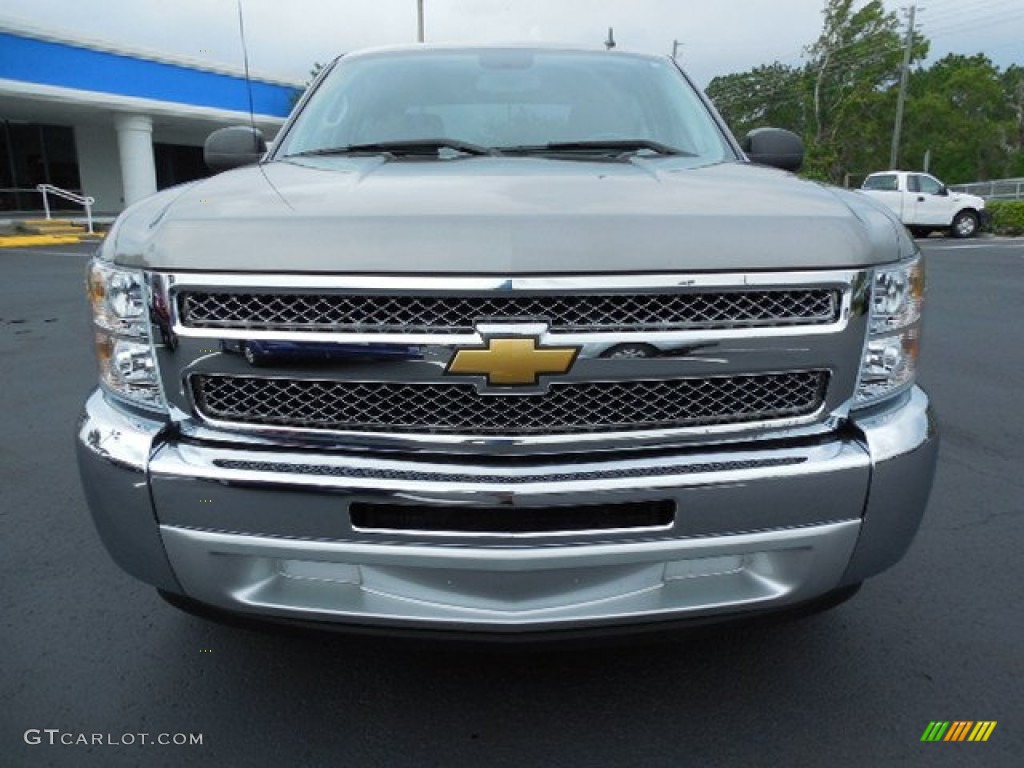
267	532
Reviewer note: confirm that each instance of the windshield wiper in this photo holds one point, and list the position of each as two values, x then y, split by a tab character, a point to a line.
404	147
618	147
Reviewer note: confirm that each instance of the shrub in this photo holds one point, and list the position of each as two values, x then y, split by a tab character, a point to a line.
1007	216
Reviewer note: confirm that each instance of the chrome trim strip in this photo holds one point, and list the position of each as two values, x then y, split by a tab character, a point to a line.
549	338
456	484
812	425
437	534
443	285
506	559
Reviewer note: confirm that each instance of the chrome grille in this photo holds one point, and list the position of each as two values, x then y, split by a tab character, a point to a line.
570	407
379	313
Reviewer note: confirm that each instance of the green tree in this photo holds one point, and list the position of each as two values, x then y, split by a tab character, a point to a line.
960	110
769	95
1013	87
842	100
854	67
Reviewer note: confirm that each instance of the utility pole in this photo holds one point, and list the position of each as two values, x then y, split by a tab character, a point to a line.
894	151
675	49
419	21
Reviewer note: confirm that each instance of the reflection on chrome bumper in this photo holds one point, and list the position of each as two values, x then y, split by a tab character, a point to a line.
527	588
268	532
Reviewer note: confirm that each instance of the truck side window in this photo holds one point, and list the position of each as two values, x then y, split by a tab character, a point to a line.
929	185
883	183
913	183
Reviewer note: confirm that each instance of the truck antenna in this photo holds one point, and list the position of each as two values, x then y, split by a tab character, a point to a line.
245	60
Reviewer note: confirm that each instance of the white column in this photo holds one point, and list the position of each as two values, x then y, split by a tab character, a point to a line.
135	146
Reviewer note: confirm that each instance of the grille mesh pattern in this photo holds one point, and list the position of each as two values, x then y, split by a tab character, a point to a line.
458	409
657	470
373	313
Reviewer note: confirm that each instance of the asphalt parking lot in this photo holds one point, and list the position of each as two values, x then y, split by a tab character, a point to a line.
86	650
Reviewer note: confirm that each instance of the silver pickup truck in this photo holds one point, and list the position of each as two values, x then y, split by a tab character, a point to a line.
506	340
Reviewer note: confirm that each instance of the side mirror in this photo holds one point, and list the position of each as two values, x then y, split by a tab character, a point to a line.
233	147
944	191
775	147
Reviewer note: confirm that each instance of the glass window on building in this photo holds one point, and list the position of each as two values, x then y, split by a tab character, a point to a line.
177	163
32	154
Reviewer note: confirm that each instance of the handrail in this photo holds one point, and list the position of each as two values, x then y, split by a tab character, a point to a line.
82	200
997	189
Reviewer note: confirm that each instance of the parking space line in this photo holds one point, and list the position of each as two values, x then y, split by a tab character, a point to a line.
47	252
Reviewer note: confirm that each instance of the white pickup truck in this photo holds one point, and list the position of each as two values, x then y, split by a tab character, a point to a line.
925	204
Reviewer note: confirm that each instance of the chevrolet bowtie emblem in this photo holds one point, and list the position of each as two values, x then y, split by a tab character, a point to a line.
512	362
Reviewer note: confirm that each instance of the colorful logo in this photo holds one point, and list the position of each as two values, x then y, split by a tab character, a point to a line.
958	730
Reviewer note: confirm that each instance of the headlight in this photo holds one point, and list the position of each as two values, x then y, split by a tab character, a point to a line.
123	346
890	357
896	297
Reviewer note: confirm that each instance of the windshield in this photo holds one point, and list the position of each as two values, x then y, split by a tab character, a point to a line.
507	98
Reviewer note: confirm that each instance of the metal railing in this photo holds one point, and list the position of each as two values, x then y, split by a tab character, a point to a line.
82	200
998	189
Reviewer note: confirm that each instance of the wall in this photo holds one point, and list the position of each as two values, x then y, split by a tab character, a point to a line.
99	166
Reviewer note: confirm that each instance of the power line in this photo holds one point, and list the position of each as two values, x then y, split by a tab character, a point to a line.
979	23
941	18
843	56
1001	11
840	63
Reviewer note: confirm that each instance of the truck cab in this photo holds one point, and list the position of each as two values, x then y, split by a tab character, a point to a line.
924	204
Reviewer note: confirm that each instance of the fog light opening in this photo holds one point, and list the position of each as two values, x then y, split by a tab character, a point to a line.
318	570
705	566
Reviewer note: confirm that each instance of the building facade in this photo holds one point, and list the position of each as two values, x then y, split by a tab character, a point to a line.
114	123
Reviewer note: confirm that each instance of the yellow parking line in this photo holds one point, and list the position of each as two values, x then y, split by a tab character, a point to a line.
21	241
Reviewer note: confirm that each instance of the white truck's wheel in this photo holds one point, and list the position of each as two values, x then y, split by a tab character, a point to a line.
965	224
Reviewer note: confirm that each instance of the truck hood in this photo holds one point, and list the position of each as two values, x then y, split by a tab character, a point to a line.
968	200
504	216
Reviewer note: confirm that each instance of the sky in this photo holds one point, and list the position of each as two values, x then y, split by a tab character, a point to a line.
286	37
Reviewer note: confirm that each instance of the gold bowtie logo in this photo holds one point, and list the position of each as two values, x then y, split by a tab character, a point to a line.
512	362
